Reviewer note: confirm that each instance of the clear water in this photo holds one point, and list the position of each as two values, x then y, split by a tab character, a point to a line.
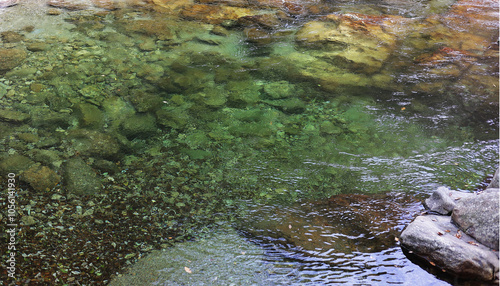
317	181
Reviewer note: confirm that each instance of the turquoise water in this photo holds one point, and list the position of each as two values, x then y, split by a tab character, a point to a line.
252	124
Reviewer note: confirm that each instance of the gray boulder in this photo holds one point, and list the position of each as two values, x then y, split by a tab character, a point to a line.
478	217
495	181
444	200
437	240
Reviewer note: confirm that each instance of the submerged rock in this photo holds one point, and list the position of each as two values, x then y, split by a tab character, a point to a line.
80	178
10	58
40	178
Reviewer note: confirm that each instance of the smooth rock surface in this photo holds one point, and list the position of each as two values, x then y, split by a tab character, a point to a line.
478	216
437	240
444	200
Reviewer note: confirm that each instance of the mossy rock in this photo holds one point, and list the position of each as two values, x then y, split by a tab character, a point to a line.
174	117
242	93
94	144
15	164
145	101
139	126
279	90
89	115
329	128
289	105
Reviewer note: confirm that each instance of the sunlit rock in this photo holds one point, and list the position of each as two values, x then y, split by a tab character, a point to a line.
360	43
215	14
8	3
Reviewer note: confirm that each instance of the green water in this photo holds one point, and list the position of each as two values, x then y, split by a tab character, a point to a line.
212	127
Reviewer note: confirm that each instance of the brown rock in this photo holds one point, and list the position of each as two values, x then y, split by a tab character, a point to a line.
157	28
265	20
11	37
215	14
41	178
258	36
10	58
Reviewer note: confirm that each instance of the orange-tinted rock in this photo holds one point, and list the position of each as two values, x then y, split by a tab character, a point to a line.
151	28
41	178
265	20
258	36
173	5
360	43
215	14
10	58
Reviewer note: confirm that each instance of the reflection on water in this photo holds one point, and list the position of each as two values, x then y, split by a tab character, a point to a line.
315	127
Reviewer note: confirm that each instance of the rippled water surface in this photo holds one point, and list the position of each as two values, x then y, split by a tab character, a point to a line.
305	135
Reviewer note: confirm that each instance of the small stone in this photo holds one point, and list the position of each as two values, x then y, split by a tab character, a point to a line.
37	46
69	5
54	12
8	3
37	87
15	164
28	220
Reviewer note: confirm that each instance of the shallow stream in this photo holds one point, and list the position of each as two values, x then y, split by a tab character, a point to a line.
305	156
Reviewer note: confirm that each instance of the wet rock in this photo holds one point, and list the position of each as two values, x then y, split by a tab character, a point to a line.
465	243
279	89
89	115
37	46
444	200
13	116
268	21
47	157
139	126
258	36
40	178
361	43
15	164
94	143
173	117
80	178
28	137
478	216
328	225
49	119
145	101
435	239
105	4
220	31
10	58
11	37
160	29
215	14
69	5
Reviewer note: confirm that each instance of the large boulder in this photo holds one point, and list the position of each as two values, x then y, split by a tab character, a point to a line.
435	239
478	217
465	243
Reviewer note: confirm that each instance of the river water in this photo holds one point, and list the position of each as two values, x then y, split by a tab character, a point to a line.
307	150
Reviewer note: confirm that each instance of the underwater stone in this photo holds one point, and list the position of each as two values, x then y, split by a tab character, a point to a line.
329	128
139	125
10	58
70	5
279	89
13	116
11	37
40	178
94	143
89	115
145	101
15	164
173	117
80	178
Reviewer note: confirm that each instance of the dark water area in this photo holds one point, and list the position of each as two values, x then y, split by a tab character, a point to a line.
307	133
